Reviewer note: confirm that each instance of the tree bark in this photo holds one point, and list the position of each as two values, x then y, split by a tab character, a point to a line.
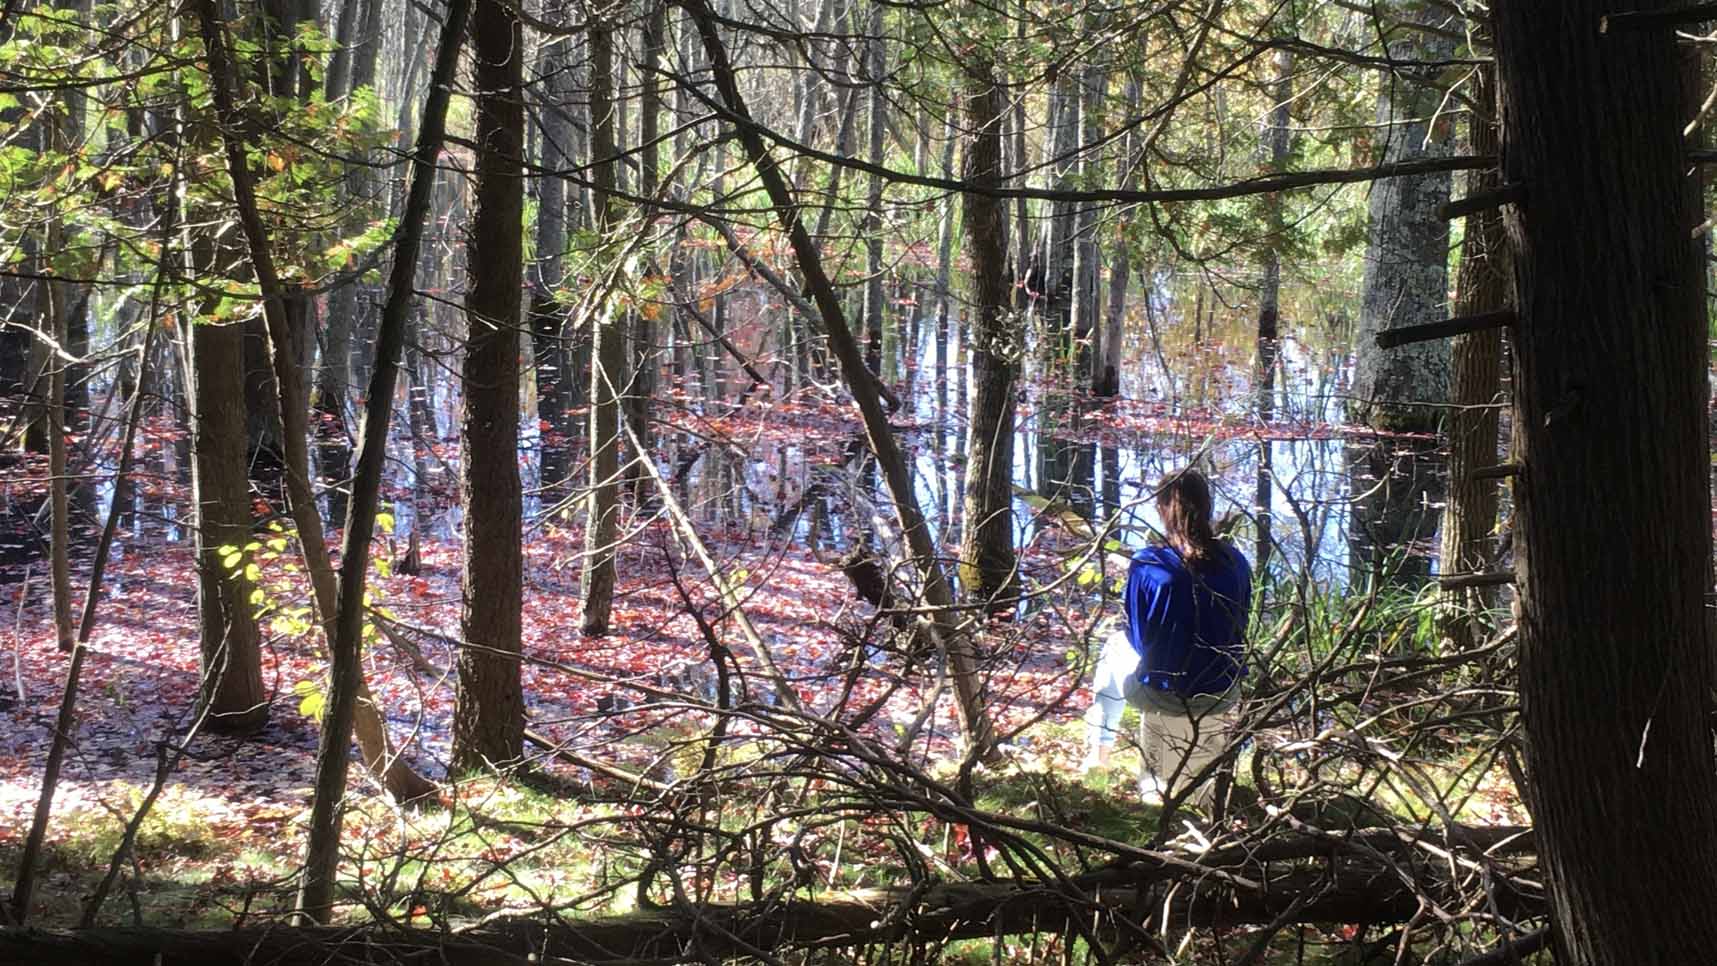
548	318
988	567
1106	365
1613	542
1087	253
608	363
489	721
875	63
641	384
1407	245
1278	143
231	671
1055	263
1477	372
59	505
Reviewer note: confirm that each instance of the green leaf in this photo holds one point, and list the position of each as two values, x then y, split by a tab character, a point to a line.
311	700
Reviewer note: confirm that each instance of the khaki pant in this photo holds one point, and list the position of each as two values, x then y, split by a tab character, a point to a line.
1178	737
1177	746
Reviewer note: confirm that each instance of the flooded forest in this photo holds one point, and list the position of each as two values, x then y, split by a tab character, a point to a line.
659	481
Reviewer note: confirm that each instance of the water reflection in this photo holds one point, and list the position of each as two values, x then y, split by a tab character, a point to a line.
1314	497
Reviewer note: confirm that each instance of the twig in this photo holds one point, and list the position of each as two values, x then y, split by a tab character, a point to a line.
1464	581
1444	328
591	764
18	636
1633	20
729	594
1513	950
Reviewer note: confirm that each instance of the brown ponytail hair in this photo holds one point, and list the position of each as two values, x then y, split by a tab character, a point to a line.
1183	502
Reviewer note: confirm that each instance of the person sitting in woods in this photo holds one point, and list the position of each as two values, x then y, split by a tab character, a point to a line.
1180	655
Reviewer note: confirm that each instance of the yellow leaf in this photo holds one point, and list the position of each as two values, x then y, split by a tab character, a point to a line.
276	162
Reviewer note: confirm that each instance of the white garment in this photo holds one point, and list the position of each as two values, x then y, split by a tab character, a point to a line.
1177	739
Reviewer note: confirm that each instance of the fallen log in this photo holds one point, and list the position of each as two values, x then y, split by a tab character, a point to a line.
1336	894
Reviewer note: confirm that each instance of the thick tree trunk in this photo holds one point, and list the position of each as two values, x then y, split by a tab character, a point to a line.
489	722
1477	371
1407	247
1613	543
231	671
988	568
608	363
265	458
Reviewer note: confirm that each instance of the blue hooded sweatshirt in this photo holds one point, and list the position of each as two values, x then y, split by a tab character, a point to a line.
1189	627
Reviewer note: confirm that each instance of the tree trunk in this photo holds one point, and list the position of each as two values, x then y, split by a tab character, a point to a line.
1278	143
1337	887
642	384
360	335
608	365
231	669
988	568
1477	371
944	269
1613	541
1106	367
875	63
1056	261
59	505
548	318
1407	245
337	82
1087	254
489	722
